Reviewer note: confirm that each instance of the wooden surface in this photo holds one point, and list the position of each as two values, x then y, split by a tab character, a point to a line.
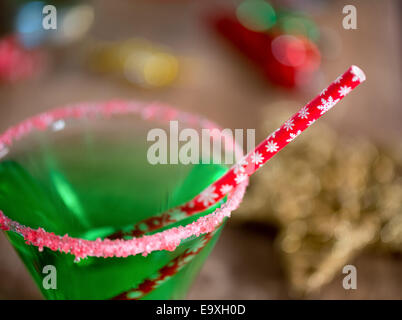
218	83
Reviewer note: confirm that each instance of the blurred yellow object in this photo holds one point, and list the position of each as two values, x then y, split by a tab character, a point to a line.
76	23
136	60
330	197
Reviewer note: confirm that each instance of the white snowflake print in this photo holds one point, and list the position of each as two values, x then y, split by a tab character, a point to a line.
143	226
240	178
191	204
226	188
323	91
271	146
337	80
303	113
327	104
358	75
310	122
289	125
273	134
343	91
257	158
198	245
208	196
293	136
177	214
243	161
355	78
239	167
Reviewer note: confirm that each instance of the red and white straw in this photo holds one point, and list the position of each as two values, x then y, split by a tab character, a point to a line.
277	140
255	159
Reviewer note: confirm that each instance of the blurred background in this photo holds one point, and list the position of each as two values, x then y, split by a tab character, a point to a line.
331	199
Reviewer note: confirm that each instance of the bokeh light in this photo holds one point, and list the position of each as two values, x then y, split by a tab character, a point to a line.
289	50
148	68
256	15
298	24
138	61
76	23
28	24
160	69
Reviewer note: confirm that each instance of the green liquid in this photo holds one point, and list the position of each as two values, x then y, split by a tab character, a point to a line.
90	183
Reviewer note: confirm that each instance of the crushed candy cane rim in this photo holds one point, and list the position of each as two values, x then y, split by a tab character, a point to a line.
168	239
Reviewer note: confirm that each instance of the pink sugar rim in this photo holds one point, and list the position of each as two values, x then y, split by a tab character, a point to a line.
165	240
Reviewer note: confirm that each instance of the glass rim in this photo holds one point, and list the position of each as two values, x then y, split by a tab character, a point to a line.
168	239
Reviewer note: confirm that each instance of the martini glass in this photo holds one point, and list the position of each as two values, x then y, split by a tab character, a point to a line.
73	183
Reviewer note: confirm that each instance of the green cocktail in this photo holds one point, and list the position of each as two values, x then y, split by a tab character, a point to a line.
89	177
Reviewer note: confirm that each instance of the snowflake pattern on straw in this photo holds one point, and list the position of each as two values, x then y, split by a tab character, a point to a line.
310	122
327	104
293	136
257	158
241	177
358	74
303	113
343	91
239	167
198	246
166	272
177	214
226	188
208	196
289	124
294	126
271	146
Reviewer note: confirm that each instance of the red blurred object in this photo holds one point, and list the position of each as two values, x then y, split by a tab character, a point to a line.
289	61
16	62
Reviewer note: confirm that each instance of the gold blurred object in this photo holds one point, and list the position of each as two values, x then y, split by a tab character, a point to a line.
76	23
138	61
330	197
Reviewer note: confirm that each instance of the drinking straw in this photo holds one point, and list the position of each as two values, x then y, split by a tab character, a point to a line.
167	272
255	159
